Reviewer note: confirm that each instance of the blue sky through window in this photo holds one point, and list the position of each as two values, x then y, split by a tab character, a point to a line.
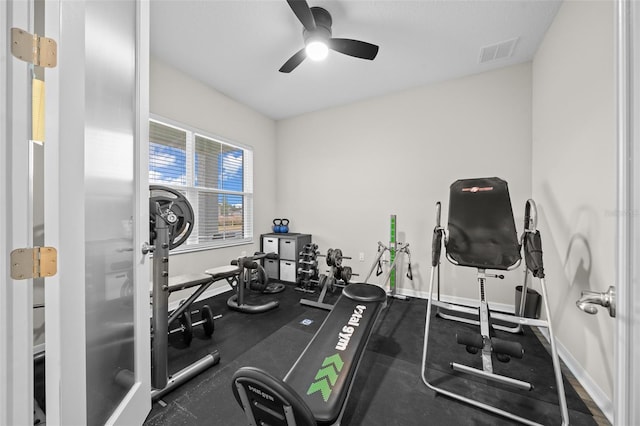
167	164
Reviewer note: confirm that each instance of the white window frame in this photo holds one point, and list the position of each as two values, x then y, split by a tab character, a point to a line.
193	191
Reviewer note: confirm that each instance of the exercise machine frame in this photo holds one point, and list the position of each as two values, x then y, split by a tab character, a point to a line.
237	301
161	382
382	249
531	242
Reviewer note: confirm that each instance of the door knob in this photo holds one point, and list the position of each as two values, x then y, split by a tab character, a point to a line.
590	299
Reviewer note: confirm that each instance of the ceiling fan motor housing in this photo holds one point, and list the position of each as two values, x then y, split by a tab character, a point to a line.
323	25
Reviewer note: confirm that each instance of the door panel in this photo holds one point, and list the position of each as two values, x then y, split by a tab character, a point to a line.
98	356
109	201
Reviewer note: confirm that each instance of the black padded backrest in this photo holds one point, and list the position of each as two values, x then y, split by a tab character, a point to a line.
482	232
268	400
323	374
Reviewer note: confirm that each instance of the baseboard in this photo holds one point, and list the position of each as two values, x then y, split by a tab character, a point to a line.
597	395
500	307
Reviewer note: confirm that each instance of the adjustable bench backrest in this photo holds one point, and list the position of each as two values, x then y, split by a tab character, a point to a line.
318	384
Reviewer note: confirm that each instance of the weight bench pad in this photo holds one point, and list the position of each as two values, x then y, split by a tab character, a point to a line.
221	272
323	373
180	282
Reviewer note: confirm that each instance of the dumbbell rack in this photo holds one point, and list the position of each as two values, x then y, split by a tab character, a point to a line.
308	269
338	276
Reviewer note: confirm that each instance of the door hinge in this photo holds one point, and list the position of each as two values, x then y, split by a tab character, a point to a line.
36	262
34	49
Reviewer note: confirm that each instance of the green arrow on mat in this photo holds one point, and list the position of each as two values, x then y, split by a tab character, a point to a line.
333	359
328	372
322	386
327	376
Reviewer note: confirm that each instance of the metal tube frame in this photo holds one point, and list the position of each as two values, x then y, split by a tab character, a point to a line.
161	383
483	310
401	248
160	306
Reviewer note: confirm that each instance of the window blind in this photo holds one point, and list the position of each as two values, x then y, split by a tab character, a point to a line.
216	176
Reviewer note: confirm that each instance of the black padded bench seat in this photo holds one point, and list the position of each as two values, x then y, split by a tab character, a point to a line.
181	282
220	272
315	389
202	281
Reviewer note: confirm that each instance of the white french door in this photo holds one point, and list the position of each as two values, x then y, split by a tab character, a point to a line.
627	338
92	193
16	324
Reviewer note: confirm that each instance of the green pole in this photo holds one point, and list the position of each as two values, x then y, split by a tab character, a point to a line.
393	246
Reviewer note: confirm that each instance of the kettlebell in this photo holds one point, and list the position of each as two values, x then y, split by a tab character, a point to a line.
277	225
284	228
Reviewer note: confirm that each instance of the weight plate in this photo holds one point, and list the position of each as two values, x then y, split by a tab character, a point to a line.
322	280
207	317
346	274
330	257
261	279
174	206
337	257
187	331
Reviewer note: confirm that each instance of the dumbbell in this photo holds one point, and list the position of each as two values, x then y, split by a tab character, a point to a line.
186	326
309	250
206	320
311	263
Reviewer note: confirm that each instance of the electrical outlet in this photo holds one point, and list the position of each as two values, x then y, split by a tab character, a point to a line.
361	257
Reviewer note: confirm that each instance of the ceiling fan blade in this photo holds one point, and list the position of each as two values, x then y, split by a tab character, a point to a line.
357	48
303	12
293	61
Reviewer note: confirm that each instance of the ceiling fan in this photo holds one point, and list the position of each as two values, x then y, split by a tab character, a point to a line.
317	37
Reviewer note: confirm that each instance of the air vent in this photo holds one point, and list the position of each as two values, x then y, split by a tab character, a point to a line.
497	51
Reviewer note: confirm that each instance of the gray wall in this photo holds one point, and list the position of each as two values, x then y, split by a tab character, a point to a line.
180	98
574	183
341	172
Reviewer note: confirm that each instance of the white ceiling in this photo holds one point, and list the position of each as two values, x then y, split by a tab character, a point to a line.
238	46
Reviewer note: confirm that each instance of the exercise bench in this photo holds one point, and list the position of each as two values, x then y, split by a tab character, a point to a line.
316	388
202	281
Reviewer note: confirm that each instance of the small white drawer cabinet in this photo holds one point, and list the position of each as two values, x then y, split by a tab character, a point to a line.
288	247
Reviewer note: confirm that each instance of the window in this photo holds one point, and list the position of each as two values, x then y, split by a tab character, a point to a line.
215	175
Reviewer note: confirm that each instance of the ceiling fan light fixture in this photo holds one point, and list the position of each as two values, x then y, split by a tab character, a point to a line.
317	50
